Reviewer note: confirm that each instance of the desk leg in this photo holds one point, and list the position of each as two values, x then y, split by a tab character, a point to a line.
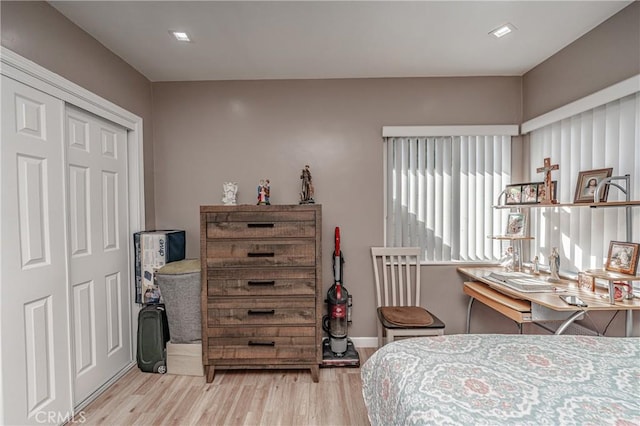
471	299
574	316
628	327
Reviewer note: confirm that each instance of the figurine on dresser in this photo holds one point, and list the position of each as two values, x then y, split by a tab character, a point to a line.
264	192
229	191
306	195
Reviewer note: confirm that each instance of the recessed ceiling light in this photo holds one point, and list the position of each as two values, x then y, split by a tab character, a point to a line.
180	35
502	31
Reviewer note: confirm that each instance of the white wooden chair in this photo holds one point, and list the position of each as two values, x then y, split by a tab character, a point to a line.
397	279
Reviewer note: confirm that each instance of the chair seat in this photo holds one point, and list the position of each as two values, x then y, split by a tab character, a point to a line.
407	317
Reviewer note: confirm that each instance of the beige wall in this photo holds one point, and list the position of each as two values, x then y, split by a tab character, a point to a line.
40	33
210	132
606	55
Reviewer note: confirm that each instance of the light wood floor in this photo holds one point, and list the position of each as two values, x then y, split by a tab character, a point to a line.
235	397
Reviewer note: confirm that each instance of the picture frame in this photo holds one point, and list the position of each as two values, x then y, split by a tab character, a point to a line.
541	191
529	193
586	282
513	194
587	182
622	257
516	225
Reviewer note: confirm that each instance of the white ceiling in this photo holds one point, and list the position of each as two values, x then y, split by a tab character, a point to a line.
240	40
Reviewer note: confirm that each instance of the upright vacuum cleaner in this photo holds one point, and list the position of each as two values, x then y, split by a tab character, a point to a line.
338	349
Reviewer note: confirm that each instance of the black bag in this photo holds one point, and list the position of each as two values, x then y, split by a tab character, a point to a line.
153	335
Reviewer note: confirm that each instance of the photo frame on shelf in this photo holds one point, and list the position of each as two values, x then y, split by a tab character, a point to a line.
527	193
516	225
513	194
622	257
541	197
586	282
588	181
621	291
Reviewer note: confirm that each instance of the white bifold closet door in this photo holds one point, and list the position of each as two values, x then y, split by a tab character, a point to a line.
98	252
65	312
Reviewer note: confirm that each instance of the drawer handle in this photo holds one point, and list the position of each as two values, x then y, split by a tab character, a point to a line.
261	311
261	283
261	254
260	225
253	343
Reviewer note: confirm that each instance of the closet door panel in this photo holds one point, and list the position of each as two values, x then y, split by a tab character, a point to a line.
33	293
79	218
97	168
84	336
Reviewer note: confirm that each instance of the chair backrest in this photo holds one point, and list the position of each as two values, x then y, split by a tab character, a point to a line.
397	275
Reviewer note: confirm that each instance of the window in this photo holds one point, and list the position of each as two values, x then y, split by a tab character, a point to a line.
605	136
439	190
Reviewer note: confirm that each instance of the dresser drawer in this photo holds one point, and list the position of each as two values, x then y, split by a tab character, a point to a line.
261	282
239	344
262	214
262	354
243	230
283	252
247	312
261	336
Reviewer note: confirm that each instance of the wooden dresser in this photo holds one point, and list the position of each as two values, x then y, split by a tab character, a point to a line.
261	284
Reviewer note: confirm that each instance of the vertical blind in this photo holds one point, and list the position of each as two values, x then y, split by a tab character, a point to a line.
606	136
439	193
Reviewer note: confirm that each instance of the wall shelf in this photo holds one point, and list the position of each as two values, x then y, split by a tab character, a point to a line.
592	205
625	188
507	237
611	276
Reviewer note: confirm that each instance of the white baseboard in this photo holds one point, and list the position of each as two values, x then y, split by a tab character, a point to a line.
364	342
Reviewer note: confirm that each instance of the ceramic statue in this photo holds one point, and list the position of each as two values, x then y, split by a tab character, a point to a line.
264	192
306	195
229	191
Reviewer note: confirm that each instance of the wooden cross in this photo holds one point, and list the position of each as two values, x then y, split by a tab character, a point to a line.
548	190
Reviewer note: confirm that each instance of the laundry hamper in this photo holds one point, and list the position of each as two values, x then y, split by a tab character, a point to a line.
179	284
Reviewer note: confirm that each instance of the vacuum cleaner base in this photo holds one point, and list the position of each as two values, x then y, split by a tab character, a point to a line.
351	357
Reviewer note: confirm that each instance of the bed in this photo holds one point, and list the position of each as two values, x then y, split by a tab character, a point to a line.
489	379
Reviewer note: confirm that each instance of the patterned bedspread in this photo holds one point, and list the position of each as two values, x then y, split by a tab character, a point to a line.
504	380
